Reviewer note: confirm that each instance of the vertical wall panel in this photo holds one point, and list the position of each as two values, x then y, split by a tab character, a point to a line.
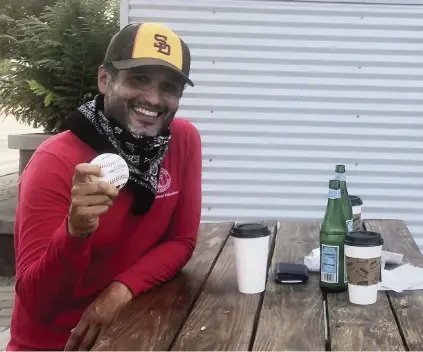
286	90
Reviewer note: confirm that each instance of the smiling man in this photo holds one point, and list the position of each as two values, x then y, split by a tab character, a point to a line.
83	248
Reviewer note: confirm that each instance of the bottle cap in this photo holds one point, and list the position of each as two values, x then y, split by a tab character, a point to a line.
363	239
334	184
340	169
250	230
355	200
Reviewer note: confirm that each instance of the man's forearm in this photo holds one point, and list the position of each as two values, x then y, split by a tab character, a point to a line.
157	266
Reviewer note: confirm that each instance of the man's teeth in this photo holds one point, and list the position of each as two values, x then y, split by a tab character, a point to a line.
146	112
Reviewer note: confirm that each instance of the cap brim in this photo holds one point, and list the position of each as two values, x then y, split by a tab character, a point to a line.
125	64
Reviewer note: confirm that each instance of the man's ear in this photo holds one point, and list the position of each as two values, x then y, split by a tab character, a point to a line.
184	86
102	79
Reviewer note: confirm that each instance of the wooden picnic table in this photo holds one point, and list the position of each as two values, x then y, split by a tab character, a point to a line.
201	308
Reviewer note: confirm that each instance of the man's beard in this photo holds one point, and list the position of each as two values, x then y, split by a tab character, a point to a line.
120	114
158	129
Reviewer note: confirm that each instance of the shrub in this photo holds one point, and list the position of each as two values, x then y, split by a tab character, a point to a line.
56	62
11	12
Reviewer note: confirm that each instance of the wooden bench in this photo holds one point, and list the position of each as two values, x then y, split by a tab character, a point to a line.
201	308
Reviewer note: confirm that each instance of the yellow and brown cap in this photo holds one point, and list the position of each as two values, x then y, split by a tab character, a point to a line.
149	44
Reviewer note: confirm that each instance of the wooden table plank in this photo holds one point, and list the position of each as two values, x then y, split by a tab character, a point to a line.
362	328
292	316
222	318
153	319
408	306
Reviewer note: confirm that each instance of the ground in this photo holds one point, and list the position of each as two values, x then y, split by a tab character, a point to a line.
7	299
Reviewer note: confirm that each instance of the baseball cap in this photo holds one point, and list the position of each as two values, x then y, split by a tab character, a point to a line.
149	44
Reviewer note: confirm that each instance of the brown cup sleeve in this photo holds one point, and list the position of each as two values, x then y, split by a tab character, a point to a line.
363	272
357	223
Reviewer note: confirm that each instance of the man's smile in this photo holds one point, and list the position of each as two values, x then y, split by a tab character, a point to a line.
143	118
146	112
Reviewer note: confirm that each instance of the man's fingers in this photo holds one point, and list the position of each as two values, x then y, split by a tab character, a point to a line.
86	201
102	337
83	170
76	337
92	188
107	189
89	338
91	212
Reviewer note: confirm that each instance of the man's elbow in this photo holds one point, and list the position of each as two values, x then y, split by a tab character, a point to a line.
44	314
40	310
189	245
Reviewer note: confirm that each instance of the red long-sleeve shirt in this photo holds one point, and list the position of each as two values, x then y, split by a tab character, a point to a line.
58	276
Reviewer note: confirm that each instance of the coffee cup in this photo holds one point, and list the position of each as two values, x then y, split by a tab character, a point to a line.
356	203
363	252
251	244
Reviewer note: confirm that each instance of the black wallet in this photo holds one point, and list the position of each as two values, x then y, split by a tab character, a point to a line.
290	273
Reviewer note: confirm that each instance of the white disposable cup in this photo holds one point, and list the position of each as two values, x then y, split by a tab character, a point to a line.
359	294
251	257
357	203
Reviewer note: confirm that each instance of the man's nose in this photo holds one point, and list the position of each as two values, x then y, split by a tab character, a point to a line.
153	96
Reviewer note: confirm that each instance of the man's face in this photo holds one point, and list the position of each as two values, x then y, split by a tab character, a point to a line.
143	100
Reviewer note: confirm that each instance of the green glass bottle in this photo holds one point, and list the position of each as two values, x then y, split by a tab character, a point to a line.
345	199
333	277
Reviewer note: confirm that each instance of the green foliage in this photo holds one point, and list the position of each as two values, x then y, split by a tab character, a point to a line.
58	54
12	11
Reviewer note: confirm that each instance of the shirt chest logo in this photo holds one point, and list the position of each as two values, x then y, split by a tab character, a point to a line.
164	181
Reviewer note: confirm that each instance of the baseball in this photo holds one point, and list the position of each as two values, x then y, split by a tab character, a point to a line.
114	169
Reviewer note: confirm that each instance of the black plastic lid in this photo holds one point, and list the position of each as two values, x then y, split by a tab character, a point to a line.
363	239
250	230
355	200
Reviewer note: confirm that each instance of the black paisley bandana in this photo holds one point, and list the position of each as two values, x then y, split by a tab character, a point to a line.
143	154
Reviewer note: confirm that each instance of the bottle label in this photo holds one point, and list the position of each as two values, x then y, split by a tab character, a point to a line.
350	226
334	193
329	267
340	177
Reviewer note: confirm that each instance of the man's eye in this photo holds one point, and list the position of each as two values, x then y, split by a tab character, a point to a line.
140	78
171	88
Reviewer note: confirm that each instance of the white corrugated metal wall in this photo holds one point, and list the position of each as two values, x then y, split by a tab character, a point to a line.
286	90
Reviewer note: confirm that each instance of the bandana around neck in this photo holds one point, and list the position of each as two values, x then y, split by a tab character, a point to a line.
143	154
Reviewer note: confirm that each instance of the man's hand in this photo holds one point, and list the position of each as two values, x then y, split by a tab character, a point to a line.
98	317
89	200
